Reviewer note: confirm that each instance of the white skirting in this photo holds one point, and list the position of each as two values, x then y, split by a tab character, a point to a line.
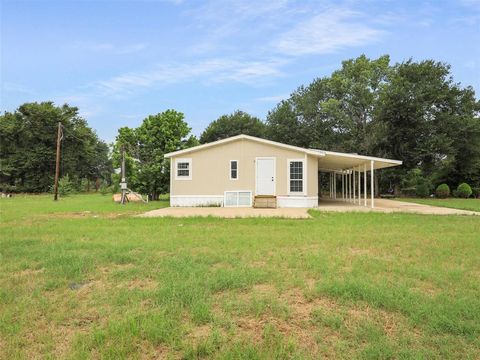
196	200
297	201
217	200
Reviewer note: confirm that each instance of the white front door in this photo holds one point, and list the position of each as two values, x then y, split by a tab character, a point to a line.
265	176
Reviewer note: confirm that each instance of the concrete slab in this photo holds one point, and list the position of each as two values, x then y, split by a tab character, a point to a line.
229	212
390	206
325	205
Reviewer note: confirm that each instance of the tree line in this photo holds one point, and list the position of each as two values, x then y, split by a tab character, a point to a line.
28	144
411	111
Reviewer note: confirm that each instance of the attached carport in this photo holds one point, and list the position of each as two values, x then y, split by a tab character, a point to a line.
349	175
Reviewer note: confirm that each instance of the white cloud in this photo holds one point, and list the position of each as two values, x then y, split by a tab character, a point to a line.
328	32
16	88
210	71
106	47
273	99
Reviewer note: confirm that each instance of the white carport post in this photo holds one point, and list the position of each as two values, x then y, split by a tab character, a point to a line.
335	185
353	183
343	186
372	187
365	183
352	197
348	186
359	186
330	186
351	180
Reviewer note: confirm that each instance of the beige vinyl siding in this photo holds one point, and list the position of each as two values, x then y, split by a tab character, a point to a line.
211	169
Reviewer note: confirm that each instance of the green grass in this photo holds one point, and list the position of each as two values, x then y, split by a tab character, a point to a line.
463	204
81	278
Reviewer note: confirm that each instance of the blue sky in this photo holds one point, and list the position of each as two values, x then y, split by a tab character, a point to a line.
120	60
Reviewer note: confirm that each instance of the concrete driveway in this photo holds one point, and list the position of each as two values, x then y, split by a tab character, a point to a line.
325	205
390	206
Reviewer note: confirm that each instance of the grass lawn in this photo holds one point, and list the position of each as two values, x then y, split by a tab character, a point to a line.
463	204
81	278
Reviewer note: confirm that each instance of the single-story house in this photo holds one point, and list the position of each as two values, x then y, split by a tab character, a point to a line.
248	171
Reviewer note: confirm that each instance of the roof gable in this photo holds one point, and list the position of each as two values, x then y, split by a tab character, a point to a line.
244	137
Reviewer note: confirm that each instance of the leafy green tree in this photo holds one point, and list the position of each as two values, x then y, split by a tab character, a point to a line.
28	147
429	122
336	112
147	170
411	111
283	125
233	124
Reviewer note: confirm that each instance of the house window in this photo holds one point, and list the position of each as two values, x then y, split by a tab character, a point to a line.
233	169
296	176
183	169
238	199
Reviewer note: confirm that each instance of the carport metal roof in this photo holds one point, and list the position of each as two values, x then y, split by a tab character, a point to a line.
337	161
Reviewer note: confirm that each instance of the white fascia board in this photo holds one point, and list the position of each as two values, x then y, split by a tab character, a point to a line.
362	157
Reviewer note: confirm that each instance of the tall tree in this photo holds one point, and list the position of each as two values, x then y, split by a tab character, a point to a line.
28	141
411	111
336	112
430	123
233	124
147	169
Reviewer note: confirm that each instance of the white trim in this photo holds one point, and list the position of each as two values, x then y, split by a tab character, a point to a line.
303	192
171	177
365	195
230	170
297	201
246	137
190	168
274	172
305	173
361	157
372	182
250	204
196	200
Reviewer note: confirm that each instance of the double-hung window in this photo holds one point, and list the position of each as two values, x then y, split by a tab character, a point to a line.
183	169
233	169
295	178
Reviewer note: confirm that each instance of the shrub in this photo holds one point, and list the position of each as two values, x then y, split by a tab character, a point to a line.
464	190
104	188
422	189
443	191
65	186
476	192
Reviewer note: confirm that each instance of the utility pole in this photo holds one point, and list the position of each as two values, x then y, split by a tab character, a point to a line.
57	164
123	183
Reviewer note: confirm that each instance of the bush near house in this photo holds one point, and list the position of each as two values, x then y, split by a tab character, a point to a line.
464	190
476	192
442	191
422	189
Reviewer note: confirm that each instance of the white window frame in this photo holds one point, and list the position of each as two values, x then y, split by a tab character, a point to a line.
190	168
237	191
304	173
230	170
